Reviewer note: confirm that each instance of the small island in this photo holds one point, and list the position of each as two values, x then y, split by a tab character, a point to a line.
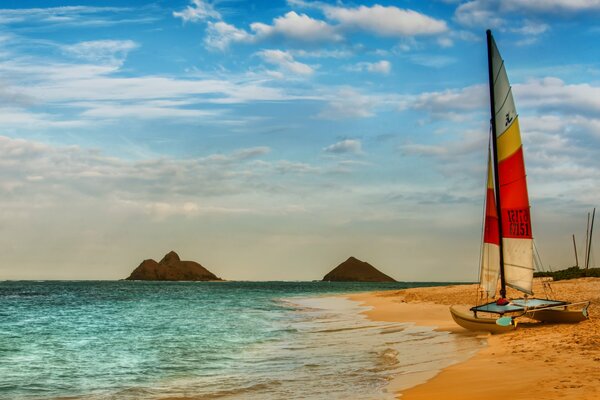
355	270
171	268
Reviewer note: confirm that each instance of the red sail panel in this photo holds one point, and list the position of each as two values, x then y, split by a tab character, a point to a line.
491	233
516	222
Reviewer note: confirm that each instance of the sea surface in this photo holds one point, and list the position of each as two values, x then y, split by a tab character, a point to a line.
212	340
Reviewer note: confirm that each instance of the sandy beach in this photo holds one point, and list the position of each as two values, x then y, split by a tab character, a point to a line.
536	361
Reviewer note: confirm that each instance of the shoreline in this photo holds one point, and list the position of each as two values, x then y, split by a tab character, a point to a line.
536	361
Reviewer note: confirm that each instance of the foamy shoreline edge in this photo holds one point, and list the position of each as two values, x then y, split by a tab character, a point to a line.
383	308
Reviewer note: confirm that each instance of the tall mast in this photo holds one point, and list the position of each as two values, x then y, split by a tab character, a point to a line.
587	239
575	247
589	247
495	159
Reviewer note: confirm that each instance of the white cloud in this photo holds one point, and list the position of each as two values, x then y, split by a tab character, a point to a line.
386	21
290	167
220	35
445	42
162	210
532	28
245	154
479	13
17	119
83	95
321	53
12	96
144	110
101	51
291	26
198	11
468	99
381	67
542	94
298	27
348	103
469	143
285	60
348	146
496	13
94	93
432	60
555	94
553	6
73	171
74	16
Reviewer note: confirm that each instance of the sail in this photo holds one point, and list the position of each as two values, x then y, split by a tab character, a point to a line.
490	261
517	239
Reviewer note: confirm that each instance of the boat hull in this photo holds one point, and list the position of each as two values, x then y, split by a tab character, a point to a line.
478	324
560	316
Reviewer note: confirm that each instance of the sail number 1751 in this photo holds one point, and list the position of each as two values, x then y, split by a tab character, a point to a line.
517	223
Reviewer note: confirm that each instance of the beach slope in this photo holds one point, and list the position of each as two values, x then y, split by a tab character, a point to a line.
536	361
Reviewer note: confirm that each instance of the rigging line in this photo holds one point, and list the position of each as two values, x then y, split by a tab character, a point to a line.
516	179
539	257
546	286
499	69
519	266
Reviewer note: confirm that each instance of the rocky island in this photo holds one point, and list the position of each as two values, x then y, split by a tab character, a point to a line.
171	268
355	270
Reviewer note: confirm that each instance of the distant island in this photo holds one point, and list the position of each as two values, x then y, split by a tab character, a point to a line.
355	270
171	268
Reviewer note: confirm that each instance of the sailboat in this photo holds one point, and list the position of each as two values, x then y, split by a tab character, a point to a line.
507	252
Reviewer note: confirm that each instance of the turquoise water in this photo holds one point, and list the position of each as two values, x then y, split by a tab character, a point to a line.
268	340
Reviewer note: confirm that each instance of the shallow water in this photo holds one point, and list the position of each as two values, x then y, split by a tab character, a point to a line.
242	340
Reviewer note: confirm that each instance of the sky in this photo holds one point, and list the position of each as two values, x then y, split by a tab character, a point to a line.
271	140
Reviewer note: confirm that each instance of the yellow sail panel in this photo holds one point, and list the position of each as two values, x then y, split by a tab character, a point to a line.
510	141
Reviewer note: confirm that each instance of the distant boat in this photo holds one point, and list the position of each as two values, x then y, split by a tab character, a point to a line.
508	241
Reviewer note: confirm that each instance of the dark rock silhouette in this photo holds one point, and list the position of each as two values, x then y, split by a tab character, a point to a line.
354	270
171	268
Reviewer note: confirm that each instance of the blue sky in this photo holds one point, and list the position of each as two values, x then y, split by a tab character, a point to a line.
272	140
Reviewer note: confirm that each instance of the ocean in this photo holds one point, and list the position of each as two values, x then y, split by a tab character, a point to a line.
209	340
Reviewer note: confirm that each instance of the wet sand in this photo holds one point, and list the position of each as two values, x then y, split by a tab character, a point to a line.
536	361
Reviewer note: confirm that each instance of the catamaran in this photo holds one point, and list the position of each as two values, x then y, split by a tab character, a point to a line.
508	252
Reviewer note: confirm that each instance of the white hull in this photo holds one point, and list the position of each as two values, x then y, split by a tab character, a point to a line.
560	315
478	324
